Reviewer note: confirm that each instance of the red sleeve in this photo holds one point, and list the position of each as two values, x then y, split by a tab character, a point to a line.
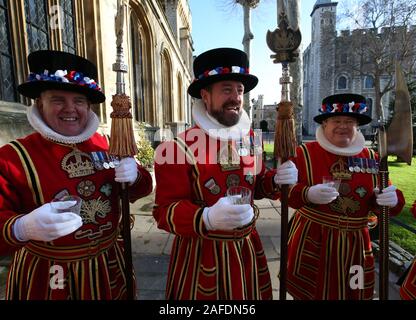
265	186
297	194
175	207
143	185
9	202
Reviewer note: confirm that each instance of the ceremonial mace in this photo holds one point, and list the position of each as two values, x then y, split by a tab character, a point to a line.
284	42
122	143
397	139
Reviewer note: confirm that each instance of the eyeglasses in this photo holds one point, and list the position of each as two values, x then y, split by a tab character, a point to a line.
339	123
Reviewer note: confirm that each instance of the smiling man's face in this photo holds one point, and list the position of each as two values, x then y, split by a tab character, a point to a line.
65	112
224	101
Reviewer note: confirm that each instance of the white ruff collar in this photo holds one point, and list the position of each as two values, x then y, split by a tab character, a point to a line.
356	146
40	126
215	129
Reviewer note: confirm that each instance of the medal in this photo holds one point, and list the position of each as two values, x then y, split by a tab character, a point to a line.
367	166
356	166
115	161
242	148
108	161
350	165
96	161
362	165
243	152
101	156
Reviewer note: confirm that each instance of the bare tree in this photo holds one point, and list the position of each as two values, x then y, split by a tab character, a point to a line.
384	30
248	36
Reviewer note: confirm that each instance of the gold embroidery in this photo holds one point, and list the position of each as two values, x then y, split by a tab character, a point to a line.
94	208
82	166
93	235
344	205
228	158
86	188
339	170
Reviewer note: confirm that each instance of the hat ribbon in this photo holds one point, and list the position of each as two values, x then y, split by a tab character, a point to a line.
63	76
222	70
351	107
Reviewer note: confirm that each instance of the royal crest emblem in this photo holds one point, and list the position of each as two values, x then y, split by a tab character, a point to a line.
77	164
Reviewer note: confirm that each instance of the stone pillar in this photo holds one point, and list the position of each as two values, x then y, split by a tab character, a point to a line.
13	122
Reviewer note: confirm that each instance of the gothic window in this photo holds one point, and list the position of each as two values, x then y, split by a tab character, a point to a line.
37	24
369	82
342	83
138	79
7	82
180	98
344	58
166	87
68	34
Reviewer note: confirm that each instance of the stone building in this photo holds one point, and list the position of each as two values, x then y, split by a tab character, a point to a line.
263	114
327	66
157	48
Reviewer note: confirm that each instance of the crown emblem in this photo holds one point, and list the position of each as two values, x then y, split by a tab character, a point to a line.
228	158
77	164
339	170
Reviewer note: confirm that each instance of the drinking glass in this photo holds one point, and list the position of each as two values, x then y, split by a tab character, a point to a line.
239	195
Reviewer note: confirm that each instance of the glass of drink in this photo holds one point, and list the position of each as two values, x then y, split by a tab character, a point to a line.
59	207
239	195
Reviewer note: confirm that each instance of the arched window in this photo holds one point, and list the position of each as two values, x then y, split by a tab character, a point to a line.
166	87
141	74
37	25
180	99
342	83
7	77
138	78
368	82
68	32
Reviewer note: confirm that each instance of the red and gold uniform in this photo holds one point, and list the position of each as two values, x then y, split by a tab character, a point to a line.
329	244
408	288
210	264
33	170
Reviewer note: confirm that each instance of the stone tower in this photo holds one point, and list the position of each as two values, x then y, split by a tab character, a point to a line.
319	59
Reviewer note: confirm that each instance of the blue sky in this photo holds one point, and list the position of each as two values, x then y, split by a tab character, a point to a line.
219	23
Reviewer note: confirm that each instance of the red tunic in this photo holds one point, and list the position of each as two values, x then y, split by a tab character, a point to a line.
329	247
209	264
33	171
408	288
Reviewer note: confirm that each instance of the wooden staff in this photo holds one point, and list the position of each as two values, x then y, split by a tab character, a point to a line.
122	144
284	41
396	140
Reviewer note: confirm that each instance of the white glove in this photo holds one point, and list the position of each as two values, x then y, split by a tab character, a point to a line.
322	194
224	215
126	171
43	224
387	197
287	173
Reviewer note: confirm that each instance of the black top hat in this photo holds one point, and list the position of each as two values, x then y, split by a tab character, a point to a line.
348	104
58	70
218	65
